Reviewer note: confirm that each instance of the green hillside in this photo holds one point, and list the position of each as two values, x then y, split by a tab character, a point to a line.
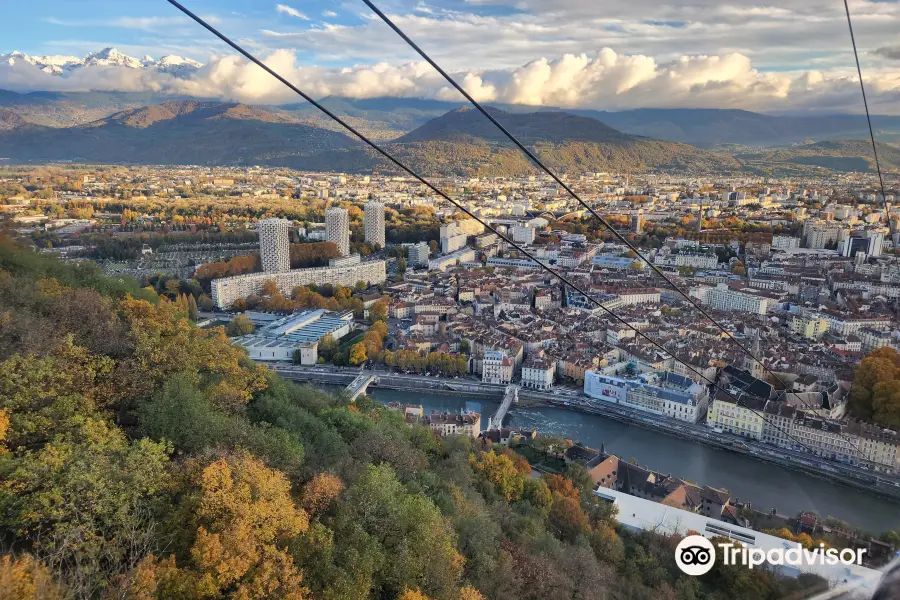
144	458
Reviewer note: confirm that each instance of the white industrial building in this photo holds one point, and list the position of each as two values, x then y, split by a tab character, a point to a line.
337	229
274	245
373	223
300	331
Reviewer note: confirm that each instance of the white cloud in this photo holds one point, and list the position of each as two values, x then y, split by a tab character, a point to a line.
329	13
288	10
144	23
605	79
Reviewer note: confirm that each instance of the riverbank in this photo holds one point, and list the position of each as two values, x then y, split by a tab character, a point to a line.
841	475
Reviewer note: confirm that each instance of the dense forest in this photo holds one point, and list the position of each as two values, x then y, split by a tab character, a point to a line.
143	457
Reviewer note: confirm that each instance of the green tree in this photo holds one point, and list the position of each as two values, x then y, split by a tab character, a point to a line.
407	525
205	303
240	325
110	487
193	312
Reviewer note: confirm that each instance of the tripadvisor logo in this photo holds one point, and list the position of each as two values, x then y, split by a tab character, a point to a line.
696	555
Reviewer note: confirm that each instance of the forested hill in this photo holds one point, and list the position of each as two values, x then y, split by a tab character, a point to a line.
142	457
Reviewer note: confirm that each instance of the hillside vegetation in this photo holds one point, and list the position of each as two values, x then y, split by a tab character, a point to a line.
837	155
143	457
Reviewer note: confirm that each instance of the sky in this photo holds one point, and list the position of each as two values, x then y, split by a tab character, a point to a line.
790	56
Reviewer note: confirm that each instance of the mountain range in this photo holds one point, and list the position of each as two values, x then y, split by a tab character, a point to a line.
192	132
457	142
108	57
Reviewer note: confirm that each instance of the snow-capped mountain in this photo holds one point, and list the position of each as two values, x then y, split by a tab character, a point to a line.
108	57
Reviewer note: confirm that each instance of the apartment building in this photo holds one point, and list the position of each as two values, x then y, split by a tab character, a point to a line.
744	419
373	223
496	367
442	423
227	290
725	298
417	255
337	229
538	373
785	242
811	326
274	245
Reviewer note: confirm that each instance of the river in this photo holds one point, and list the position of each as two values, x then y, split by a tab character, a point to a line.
765	485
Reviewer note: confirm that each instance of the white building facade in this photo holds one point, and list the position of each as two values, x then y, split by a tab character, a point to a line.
373	223
227	290
274	245
337	229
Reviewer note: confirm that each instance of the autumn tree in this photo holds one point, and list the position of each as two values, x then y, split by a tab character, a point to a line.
321	491
358	354
500	471
881	366
567	519
245	518
25	578
378	311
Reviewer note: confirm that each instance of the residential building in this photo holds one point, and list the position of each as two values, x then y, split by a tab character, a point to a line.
745	418
337	228
522	235
785	242
418	254
538	373
373	223
496	367
274	245
442	423
228	289
810	326
872	339
724	298
637	222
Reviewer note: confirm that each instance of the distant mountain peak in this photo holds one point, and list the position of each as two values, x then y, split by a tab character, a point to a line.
178	66
542	126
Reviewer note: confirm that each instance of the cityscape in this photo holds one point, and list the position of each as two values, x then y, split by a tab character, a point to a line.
508	337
